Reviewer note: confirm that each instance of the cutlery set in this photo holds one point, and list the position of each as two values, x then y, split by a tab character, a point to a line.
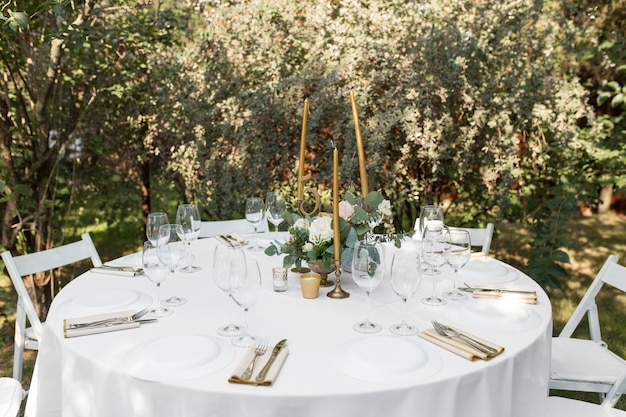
451	333
244	373
232	240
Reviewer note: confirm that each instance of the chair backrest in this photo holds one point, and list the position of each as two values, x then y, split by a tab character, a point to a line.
611	273
223	227
480	236
11	396
46	260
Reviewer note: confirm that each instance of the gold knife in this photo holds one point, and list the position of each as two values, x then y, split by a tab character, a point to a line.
279	346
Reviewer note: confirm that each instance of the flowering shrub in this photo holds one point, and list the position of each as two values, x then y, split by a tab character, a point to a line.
311	238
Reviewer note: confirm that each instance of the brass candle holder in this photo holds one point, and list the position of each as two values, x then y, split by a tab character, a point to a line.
338	292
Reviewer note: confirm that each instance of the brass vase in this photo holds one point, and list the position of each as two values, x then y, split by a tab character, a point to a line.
316	266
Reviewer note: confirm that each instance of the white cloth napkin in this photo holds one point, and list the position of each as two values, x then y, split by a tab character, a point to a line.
70	331
459	347
272	373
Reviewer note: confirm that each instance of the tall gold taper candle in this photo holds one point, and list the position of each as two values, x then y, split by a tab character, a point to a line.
359	148
305	118
336	224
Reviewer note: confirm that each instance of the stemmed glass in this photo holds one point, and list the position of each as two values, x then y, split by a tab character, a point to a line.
188	216
458	250
367	273
275	206
173	257
432	216
405	281
156	271
226	259
433	245
255	216
154	221
245	286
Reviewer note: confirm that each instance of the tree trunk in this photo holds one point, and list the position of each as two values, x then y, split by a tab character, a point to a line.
606	195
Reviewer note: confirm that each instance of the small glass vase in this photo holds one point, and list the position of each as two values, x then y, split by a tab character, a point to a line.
316	266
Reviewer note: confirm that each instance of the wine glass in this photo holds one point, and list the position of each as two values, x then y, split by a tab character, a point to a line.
173	257
405	281
430	216
458	250
367	273
156	271
245	286
188	216
154	221
226	259
255	216
275	206
433	244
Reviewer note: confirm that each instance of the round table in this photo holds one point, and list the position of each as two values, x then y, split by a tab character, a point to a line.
322	375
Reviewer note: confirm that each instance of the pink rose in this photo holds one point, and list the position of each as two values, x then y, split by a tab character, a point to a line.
345	210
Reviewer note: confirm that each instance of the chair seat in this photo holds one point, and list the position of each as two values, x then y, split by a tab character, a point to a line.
11	396
584	360
558	406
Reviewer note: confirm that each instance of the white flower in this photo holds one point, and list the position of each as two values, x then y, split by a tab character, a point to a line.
385	207
346	210
320	230
301	224
307	247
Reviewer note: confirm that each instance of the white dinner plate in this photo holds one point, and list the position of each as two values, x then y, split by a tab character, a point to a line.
486	272
498	315
178	357
134	259
386	359
105	300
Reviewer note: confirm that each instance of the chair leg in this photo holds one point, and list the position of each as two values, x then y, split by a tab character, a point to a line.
20	340
612	397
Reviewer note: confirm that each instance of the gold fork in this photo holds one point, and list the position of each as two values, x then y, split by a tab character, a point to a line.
258	351
446	331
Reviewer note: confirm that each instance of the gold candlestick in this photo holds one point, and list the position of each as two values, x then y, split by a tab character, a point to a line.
338	292
359	148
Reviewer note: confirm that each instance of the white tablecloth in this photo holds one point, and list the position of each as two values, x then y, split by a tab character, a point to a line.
90	376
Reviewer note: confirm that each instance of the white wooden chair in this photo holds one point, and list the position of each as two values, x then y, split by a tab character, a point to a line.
559	406
588	364
480	236
11	396
25	265
224	227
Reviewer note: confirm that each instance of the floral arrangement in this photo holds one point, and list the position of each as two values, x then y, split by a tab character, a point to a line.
311	238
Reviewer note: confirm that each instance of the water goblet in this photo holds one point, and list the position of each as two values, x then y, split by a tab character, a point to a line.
433	244
458	249
154	221
156	271
367	273
405	281
173	257
225	259
255	216
188	216
275	206
245	286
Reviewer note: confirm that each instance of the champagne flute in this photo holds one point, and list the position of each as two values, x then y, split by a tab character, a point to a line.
432	216
156	271
255	216
367	273
154	221
245	286
458	250
405	281
225	260
275	206
433	244
173	257
188	216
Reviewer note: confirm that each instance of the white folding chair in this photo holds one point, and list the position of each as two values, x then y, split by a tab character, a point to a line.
224	227
559	406
11	396
25	265
480	236
588	364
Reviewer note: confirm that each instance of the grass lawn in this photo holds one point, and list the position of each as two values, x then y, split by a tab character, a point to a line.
595	238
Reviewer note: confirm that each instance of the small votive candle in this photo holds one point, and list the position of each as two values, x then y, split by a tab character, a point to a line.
279	279
310	283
